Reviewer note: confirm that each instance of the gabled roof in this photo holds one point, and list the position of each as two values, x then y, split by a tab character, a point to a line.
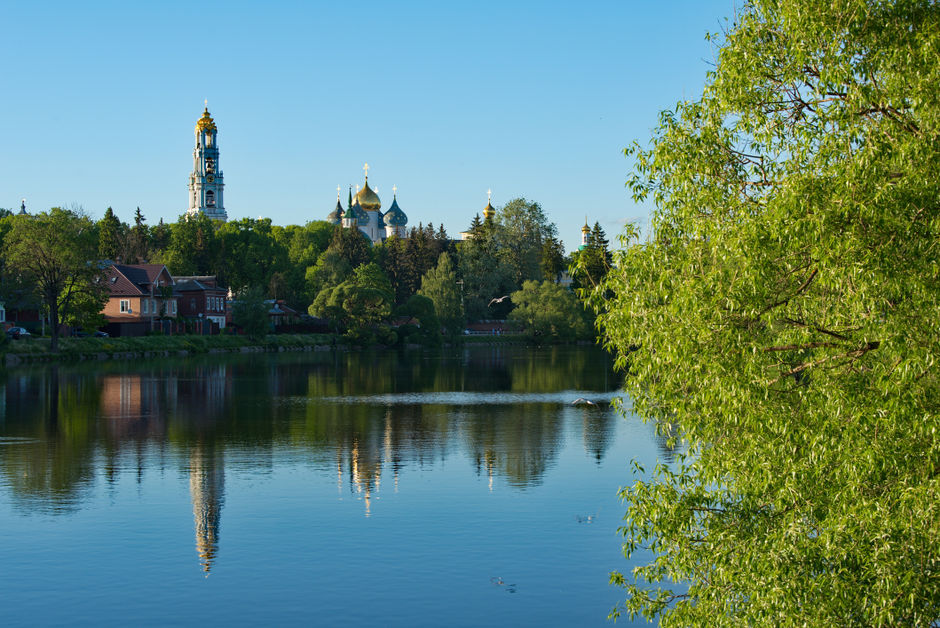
133	279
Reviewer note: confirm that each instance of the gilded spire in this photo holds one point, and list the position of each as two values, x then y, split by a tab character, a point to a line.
205	123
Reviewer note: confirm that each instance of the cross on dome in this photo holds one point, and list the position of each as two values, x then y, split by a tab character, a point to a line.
366	168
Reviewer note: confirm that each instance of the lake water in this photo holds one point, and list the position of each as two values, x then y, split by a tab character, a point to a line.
325	488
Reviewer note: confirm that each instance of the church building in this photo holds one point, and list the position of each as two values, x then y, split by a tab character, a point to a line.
205	183
364	212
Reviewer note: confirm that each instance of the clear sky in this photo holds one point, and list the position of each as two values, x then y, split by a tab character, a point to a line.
442	99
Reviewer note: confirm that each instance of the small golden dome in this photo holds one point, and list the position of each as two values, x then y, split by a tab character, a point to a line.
489	211
368	199
205	123
585	229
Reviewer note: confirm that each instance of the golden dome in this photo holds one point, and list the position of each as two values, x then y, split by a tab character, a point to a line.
368	199
489	211
585	229
205	123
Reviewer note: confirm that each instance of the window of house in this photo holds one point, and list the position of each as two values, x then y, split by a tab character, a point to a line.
173	307
192	305
3	314
145	305
125	305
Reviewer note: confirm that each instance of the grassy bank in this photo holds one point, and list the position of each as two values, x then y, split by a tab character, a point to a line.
75	349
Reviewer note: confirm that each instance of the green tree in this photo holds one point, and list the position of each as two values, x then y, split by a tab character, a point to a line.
522	233
592	263
110	237
359	303
193	248
352	245
250	312
421	308
552	262
440	285
784	308
57	252
550	312
304	246
138	240
330	270
483	273
249	255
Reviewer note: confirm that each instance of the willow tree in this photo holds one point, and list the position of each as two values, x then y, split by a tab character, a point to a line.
785	307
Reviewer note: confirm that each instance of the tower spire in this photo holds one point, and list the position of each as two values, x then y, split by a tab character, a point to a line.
205	182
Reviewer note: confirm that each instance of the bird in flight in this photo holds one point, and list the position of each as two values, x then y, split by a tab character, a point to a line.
582	400
498	300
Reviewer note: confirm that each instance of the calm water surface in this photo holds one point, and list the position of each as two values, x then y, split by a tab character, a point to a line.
322	488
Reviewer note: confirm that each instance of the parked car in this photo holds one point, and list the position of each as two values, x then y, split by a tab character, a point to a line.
102	334
18	332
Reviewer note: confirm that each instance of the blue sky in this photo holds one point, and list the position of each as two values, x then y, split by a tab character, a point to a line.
442	99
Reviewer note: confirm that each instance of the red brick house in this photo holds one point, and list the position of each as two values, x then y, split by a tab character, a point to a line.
200	296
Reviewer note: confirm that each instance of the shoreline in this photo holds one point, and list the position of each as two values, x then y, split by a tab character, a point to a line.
72	350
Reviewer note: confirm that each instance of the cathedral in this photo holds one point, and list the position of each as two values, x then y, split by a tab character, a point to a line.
364	212
205	183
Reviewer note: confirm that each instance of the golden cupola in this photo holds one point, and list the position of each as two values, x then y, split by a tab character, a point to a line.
368	199
205	123
489	211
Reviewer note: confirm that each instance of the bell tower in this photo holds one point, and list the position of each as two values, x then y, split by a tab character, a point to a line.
205	183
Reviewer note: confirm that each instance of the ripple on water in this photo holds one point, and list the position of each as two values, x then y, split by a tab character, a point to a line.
565	397
17	440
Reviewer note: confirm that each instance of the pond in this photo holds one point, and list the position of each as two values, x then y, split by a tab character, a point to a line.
460	488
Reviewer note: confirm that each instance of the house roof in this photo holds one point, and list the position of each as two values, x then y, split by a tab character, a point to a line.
206	281
133	279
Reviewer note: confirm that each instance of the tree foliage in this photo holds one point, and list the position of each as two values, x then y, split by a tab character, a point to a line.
250	312
56	251
785	310
440	285
550	312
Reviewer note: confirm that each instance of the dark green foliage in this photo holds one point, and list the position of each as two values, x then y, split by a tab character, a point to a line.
352	246
193	247
426	328
110	237
248	252
591	264
250	312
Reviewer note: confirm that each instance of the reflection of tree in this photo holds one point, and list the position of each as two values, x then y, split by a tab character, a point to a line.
597	429
519	441
55	415
322	403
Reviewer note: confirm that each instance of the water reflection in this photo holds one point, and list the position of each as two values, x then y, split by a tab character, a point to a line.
363	416
207	489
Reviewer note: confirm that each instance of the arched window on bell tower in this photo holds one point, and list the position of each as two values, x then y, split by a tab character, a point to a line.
210	198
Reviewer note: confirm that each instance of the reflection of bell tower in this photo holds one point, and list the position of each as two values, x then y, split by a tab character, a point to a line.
207	489
205	183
